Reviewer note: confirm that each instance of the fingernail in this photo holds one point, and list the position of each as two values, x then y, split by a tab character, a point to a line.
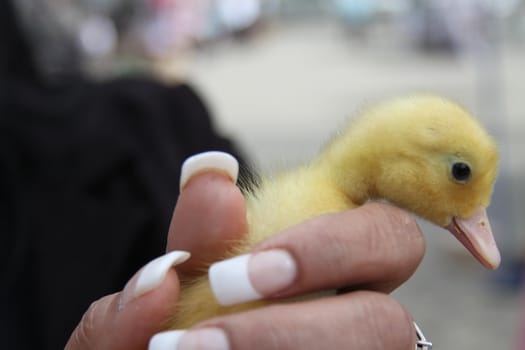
203	339
165	340
251	277
209	160
151	275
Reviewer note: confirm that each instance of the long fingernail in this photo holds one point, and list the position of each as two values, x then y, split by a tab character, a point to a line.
151	275
251	277
203	339
209	160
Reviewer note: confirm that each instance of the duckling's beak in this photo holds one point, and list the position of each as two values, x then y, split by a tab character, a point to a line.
476	235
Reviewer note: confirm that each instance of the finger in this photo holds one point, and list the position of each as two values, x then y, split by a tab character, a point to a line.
210	212
377	246
358	320
127	320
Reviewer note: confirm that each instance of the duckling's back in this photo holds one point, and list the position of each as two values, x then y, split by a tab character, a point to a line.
289	199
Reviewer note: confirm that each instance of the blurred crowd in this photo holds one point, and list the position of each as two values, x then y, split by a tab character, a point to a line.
68	33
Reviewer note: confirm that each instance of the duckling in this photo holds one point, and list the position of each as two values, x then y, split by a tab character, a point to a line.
422	153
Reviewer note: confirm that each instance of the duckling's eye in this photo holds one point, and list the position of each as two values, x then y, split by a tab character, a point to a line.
461	172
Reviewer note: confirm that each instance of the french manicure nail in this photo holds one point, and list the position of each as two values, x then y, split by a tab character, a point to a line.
168	340
251	277
151	275
272	271
209	160
203	339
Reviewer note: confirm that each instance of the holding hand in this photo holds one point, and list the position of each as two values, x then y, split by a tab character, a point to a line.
370	250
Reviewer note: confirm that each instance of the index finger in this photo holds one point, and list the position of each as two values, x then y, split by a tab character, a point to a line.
377	246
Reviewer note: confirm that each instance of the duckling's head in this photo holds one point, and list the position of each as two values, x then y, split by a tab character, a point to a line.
428	155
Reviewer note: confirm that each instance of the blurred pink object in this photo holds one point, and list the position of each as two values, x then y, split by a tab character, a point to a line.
173	26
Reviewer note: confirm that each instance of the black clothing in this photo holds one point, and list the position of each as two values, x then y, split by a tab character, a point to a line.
89	177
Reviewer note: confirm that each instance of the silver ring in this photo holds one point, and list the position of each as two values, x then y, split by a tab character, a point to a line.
422	343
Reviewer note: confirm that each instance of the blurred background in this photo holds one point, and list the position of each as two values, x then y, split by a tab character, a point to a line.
281	76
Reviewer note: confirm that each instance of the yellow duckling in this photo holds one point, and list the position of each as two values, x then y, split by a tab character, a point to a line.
423	153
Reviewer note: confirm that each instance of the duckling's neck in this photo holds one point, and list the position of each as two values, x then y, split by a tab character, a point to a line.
352	167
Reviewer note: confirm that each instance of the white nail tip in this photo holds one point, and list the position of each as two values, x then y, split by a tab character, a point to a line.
230	281
166	340
155	271
209	160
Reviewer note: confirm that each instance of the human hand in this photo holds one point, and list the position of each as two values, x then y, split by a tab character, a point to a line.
209	210
375	247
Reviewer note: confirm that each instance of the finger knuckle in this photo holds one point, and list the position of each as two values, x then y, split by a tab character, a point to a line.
396	228
83	335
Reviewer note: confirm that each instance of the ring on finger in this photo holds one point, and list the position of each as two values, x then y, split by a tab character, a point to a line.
422	343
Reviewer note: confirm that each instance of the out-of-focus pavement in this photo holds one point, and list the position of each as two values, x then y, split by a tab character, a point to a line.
283	95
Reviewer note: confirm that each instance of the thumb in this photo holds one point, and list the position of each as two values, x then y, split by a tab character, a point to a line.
127	320
210	213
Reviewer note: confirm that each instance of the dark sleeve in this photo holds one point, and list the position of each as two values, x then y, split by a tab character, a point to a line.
89	178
